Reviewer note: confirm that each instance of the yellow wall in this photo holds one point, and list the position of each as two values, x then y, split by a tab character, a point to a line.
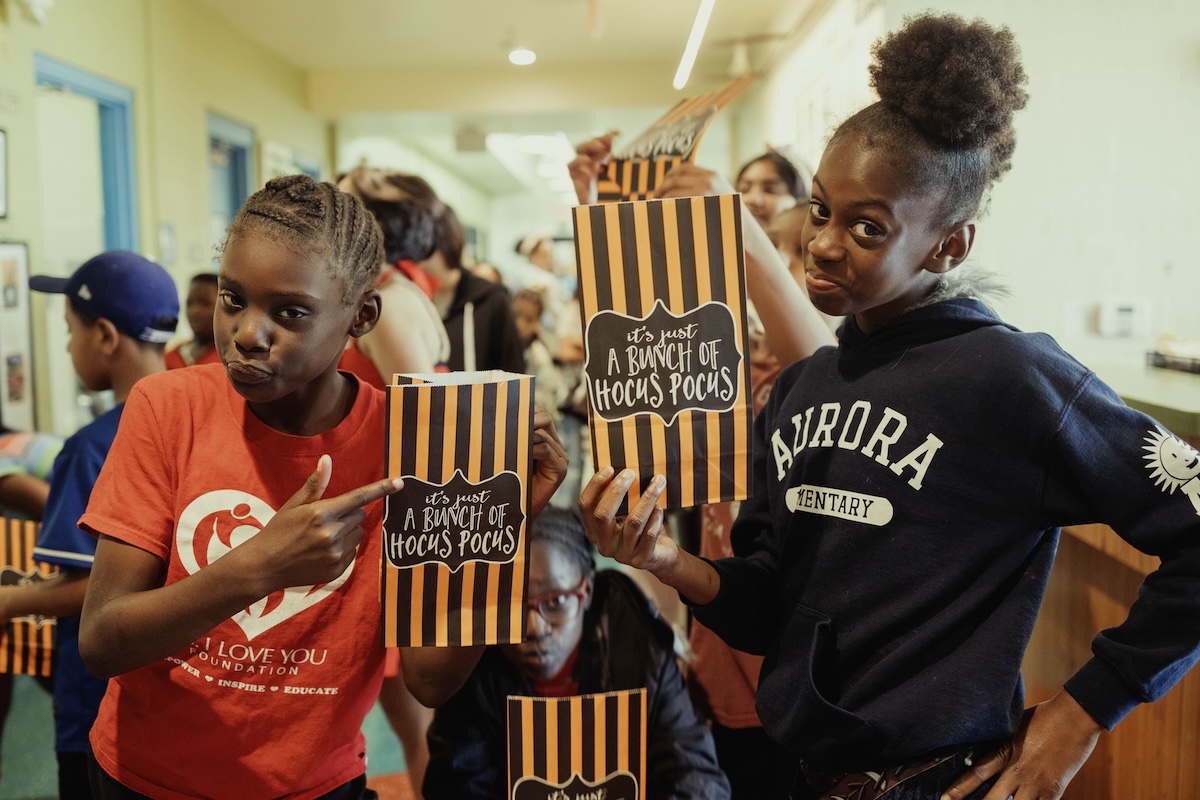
180	62
199	65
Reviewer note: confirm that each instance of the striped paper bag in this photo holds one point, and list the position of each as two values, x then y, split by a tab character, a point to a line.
454	568
592	746
665	359
639	167
26	643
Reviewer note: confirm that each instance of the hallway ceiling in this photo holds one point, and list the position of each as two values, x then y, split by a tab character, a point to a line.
347	34
414	62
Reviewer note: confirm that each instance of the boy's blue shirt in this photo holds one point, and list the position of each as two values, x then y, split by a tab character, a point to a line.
77	692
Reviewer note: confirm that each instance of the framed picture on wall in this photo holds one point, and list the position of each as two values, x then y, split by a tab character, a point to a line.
16	345
3	173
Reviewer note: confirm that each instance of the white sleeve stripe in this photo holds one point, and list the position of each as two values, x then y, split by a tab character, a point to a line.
41	551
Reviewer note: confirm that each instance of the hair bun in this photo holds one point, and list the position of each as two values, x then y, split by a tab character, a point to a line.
958	82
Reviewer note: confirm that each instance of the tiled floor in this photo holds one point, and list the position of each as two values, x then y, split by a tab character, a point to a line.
29	767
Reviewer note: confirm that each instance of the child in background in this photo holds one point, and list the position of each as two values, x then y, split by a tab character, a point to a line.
235	591
536	270
551	390
201	303
769	185
587	632
26	460
121	310
476	312
410	336
911	482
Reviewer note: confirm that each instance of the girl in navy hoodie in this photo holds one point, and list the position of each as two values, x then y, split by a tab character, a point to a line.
910	483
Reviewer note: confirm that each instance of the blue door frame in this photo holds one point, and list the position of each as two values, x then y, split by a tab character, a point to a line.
242	169
118	169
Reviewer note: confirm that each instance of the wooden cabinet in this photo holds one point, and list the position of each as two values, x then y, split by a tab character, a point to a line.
1154	754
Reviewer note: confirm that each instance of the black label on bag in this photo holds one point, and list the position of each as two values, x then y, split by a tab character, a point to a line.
662	364
617	786
454	522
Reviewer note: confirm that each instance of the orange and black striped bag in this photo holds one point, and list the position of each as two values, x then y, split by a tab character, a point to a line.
638	167
592	746
26	643
663	302
454	569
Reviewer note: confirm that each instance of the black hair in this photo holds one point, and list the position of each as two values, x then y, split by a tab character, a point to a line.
948	89
405	206
788	172
205	277
452	237
564	528
409	228
320	220
86	317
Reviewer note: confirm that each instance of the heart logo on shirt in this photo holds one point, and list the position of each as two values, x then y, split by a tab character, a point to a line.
215	523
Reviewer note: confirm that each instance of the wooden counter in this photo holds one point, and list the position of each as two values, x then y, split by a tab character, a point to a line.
1170	396
1154	754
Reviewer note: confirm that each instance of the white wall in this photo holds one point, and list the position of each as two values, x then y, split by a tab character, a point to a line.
1100	203
823	81
71	207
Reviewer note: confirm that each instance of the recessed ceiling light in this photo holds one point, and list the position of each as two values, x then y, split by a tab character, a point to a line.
522	56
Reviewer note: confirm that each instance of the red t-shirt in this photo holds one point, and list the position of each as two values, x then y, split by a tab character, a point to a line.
173	358
356	362
270	702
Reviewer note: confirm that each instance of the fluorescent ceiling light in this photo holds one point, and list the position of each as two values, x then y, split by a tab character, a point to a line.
693	44
522	56
547	145
551	168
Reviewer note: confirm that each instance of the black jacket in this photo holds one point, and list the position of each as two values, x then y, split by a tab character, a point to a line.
909	487
625	645
488	307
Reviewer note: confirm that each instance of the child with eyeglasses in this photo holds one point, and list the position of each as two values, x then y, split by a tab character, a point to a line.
587	632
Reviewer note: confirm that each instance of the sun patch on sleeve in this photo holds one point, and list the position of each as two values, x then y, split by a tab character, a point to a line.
1173	464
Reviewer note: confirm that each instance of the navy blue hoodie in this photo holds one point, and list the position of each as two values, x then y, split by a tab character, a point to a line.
909	489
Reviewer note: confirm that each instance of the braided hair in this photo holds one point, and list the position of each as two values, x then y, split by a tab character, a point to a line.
321	221
948	89
564	528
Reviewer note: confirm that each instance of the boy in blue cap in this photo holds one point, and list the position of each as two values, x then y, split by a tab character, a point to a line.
121	310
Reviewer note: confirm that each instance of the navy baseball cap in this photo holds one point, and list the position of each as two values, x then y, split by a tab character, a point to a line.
133	293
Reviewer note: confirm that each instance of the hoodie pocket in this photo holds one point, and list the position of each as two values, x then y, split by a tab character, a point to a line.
794	693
